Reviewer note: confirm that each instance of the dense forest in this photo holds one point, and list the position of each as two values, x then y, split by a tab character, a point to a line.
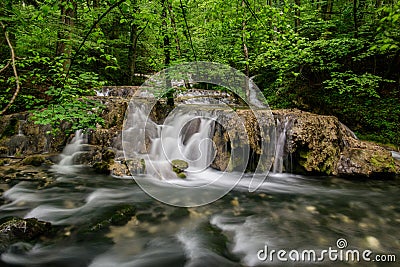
331	57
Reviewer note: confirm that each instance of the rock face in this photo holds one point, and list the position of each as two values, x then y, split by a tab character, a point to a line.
322	145
306	143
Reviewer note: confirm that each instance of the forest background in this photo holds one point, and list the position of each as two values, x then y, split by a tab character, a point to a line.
333	57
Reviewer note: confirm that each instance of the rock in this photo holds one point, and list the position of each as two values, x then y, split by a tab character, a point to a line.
314	144
102	167
181	175
178	213
15	229
373	243
136	166
179	165
322	145
35	160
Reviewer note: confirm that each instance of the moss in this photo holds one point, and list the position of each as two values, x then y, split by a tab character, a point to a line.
179	165
123	215
35	160
181	175
382	162
108	155
102	167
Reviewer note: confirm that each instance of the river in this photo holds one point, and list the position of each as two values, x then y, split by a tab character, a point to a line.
288	212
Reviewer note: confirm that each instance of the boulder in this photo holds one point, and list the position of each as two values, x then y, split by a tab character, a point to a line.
320	144
16	229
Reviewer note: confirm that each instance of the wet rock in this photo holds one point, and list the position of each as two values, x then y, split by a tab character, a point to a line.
136	166
123	215
117	217
315	144
35	160
102	167
179	166
179	213
322	145
16	229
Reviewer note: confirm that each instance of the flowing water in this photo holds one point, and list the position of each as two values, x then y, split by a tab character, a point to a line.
287	212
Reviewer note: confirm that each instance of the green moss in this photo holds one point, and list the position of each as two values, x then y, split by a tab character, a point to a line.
35	160
102	167
380	161
181	175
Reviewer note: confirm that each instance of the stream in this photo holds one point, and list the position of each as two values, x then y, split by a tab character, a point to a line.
287	212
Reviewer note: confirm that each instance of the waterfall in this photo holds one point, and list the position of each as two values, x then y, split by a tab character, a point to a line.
281	143
185	135
20	124
254	98
70	152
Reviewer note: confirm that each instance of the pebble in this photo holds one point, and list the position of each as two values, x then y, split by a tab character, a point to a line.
235	202
373	242
311	209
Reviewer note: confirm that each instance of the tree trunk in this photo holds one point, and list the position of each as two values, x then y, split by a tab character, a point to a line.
172	18
64	48
297	15
355	19
132	53
167	53
245	51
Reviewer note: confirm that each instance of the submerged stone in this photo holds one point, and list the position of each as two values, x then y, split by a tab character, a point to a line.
16	229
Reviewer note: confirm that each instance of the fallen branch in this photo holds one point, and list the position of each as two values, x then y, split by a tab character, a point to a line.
14	69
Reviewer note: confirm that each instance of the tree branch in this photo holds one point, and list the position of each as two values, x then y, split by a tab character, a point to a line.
116	4
14	69
6	66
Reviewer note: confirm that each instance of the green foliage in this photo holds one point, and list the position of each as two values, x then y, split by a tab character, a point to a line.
329	57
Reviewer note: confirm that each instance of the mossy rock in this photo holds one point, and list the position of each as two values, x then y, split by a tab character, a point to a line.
179	165
15	229
136	166
123	215
181	175
4	151
179	213
102	167
11	128
35	160
108	155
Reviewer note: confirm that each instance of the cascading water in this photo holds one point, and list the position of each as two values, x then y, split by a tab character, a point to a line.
184	135
70	152
20	124
281	144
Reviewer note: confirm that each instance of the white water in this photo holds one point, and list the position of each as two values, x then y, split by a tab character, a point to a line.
281	141
396	155
20	132
70	152
184	135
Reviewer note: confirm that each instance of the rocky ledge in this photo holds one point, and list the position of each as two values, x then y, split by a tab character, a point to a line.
323	145
310	143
